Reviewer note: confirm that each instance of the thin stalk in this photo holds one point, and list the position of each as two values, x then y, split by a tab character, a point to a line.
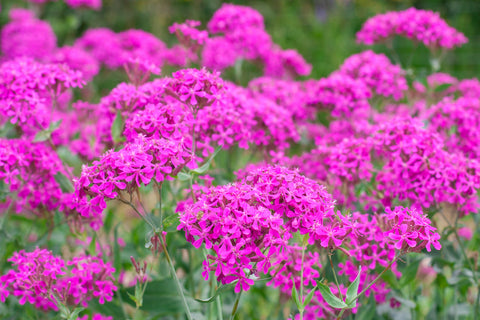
369	285
302	309
167	256
335	276
219	307
235	306
174	274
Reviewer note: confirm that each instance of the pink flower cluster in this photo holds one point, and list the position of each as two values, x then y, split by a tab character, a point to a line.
420	25
93	4
29	170
29	91
248	223
342	95
196	88
458	121
189	36
244	38
42	279
139	162
418	169
27	36
378	73
410	230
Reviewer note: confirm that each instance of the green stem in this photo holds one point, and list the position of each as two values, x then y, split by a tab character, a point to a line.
370	284
169	260
302	309
174	274
235	306
335	276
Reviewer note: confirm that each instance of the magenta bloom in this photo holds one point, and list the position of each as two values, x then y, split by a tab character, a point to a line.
253	219
419	25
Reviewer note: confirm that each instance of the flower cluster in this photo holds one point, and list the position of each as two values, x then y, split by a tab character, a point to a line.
457	121
139	162
29	91
418	169
249	222
340	94
244	38
30	171
188	35
378	73
27	36
196	88
420	25
410	230
44	280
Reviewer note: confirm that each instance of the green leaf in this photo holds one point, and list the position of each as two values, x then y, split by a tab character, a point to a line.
367	311
219	290
75	313
410	273
352	290
171	222
330	298
182	176
117	128
309	297
390	278
64	182
296	297
442	87
44	135
206	165
161	298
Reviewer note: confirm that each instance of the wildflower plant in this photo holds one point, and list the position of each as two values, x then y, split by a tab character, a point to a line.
186	194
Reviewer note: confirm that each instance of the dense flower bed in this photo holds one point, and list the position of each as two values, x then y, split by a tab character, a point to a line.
330	192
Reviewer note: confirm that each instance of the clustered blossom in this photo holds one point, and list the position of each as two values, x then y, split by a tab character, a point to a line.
29	170
115	49
378	73
188	35
27	36
93	4
418	169
124	171
410	230
42	279
420	25
77	59
248	223
342	95
244	38
458	121
340	166
29	91
196	88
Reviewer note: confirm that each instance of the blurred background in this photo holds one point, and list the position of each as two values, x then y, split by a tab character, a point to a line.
323	31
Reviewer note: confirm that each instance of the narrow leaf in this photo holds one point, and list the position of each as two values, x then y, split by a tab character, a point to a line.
352	290
330	298
206	165
295	297
75	313
218	292
44	135
171	222
309	297
442	87
182	176
64	182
